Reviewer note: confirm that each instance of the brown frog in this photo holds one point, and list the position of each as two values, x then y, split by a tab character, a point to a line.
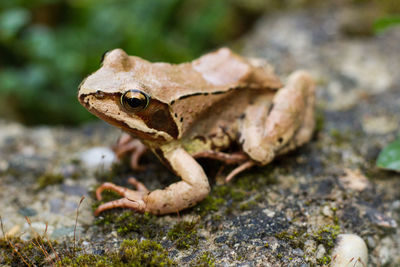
196	109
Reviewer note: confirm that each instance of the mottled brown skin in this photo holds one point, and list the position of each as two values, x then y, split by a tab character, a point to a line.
198	109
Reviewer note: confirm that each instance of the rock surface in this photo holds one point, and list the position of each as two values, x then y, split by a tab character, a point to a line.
286	214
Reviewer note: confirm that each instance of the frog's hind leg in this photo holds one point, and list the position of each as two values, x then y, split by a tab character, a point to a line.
127	144
269	130
131	198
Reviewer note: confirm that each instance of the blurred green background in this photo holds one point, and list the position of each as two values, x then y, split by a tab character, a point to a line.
48	46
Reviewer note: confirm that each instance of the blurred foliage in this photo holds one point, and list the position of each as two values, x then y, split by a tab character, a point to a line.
386	22
389	158
48	46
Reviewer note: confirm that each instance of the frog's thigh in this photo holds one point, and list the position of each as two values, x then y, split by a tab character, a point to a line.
193	188
287	125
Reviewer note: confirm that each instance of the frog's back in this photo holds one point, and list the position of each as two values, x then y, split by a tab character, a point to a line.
212	82
213	73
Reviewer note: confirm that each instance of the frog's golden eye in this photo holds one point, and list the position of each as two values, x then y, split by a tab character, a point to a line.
134	100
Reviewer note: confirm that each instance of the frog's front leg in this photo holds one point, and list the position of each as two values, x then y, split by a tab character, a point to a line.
270	129
127	144
193	188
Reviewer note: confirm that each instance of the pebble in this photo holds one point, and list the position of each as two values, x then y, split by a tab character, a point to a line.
379	124
354	180
97	157
350	250
67	231
320	252
269	213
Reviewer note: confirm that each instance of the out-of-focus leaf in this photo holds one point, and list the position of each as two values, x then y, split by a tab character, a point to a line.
9	80
389	158
386	22
40	43
11	21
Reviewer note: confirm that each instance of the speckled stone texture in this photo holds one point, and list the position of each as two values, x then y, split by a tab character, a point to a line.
286	214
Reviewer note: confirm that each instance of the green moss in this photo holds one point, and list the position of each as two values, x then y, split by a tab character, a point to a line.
130	253
208	205
327	236
49	179
17	252
340	137
295	238
237	193
325	260
206	259
184	234
130	222
253	181
247	205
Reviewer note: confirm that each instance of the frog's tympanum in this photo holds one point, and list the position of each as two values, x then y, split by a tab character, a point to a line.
221	106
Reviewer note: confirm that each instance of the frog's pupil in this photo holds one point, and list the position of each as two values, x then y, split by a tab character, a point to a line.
135	102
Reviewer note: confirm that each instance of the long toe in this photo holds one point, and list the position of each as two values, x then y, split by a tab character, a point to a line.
138	206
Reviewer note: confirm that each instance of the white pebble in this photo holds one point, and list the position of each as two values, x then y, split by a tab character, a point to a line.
350	250
97	157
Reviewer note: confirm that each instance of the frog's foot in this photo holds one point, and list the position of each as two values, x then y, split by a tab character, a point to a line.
126	144
242	167
287	123
228	158
132	199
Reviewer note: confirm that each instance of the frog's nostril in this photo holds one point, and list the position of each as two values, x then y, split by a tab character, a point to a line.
99	94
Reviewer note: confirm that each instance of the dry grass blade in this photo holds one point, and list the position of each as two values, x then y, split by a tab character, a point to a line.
51	245
39	243
76	222
2	227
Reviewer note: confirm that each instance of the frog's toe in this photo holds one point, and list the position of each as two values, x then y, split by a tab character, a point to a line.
123	191
239	169
127	144
138	185
110	186
135	158
137	205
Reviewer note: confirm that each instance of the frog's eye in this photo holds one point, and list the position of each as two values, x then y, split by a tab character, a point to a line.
134	100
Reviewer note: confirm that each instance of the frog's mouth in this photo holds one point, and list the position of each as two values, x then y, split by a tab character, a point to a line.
144	126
